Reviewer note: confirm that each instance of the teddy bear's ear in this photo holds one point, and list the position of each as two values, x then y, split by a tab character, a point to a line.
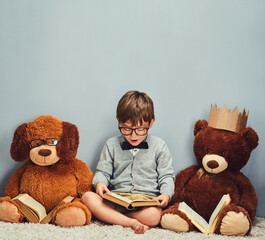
199	125
20	146
251	137
68	143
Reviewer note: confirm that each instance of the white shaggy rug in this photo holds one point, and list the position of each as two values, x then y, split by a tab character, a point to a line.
98	230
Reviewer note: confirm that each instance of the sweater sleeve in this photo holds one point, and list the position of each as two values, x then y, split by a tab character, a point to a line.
104	168
165	172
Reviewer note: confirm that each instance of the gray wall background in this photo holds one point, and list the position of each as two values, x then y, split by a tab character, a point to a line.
75	59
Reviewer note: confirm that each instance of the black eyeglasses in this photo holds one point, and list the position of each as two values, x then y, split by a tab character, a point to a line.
126	131
49	142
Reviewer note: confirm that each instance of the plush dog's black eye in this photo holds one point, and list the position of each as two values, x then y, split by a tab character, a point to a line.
223	154
207	150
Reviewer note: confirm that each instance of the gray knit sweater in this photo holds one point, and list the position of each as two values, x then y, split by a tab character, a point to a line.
149	172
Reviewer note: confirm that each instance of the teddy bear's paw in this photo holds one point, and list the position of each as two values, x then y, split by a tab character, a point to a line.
70	216
9	212
174	222
234	224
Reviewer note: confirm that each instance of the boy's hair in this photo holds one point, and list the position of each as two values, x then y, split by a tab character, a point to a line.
135	106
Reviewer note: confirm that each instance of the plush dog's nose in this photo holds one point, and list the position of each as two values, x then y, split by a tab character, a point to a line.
45	152
213	164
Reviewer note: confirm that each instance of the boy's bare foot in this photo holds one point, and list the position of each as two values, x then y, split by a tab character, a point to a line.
138	227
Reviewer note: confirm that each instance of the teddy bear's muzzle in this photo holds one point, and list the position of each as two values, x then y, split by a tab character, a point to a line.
44	155
214	163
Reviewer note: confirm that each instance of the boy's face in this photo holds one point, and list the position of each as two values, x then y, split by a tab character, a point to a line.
135	139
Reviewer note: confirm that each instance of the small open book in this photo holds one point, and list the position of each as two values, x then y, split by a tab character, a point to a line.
129	204
33	211
199	221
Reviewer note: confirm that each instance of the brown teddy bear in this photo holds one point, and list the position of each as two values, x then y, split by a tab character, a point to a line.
51	172
220	154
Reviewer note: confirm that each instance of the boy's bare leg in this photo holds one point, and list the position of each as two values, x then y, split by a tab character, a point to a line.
105	212
149	216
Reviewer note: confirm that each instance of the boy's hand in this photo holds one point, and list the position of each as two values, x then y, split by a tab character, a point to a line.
101	188
163	199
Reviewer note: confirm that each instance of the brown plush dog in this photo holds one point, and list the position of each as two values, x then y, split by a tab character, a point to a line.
51	173
220	155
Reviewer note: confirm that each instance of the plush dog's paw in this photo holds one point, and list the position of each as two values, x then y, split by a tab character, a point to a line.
234	224
174	222
70	216
9	212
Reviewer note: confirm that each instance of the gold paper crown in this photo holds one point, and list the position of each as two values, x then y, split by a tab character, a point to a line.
227	120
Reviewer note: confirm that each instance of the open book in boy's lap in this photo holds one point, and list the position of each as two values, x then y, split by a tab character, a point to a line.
125	200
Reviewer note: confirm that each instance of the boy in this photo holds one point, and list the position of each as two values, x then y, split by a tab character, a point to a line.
135	163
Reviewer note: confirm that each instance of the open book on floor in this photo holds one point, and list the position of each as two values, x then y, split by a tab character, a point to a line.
35	212
199	221
129	204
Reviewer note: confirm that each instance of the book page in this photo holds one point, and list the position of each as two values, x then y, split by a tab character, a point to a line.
225	200
32	204
143	203
27	212
49	216
119	197
128	203
144	200
195	218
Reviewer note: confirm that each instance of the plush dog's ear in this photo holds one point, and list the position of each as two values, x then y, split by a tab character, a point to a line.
20	146
199	125
68	143
251	137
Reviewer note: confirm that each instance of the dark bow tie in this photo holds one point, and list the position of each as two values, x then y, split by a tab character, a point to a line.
128	146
